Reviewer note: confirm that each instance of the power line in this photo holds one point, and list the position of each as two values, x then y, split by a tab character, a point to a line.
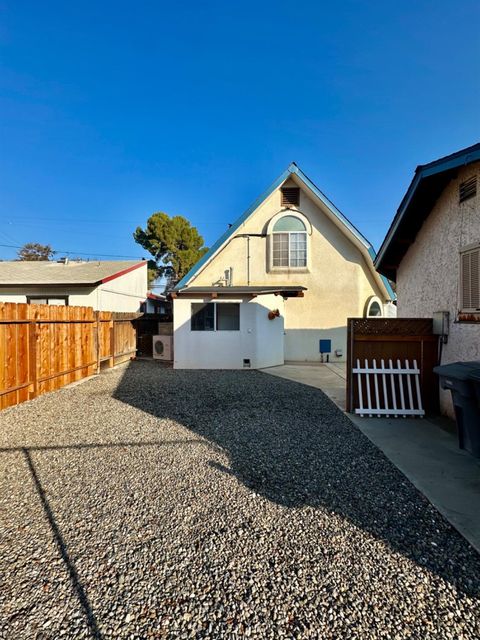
100	219
80	253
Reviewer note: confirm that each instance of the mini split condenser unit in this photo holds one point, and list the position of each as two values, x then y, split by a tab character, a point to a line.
162	347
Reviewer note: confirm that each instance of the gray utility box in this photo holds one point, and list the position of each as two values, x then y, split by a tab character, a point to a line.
457	377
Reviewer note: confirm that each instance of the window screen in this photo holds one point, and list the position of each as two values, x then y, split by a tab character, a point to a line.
203	316
298	249
289	248
228	316
280	249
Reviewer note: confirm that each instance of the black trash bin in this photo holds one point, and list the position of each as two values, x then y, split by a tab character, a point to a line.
456	376
475	377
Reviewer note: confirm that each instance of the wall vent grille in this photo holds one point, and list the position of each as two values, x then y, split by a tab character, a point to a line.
290	197
468	189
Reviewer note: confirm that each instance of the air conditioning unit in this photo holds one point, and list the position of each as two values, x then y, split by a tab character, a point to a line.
162	347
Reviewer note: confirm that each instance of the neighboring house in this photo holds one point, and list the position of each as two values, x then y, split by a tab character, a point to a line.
432	252
155	304
103	285
291	253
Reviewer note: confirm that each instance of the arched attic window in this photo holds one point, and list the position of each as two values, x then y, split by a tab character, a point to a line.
374	308
289	242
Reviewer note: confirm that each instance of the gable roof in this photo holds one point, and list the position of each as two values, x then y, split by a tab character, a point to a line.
425	188
293	170
49	272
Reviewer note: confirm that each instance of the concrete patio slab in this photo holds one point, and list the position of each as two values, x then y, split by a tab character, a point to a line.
330	378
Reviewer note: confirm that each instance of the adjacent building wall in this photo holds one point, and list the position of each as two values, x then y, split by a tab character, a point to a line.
259	339
428	278
337	278
124	293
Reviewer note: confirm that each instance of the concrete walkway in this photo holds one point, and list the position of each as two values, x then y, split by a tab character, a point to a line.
330	378
425	452
430	458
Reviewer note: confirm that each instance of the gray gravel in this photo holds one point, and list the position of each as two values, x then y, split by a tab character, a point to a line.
152	503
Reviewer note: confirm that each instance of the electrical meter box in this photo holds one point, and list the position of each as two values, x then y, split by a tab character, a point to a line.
441	321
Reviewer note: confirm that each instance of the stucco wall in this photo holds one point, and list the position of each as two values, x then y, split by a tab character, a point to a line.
338	279
259	339
429	275
122	294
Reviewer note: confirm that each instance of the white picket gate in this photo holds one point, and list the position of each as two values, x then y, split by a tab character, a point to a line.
389	390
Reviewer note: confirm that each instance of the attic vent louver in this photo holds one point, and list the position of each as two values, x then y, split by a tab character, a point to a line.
290	197
468	189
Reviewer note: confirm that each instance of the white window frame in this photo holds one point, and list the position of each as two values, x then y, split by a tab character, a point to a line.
370	302
271	233
215	316
34	299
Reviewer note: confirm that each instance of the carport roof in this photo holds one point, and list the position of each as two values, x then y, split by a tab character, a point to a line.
287	291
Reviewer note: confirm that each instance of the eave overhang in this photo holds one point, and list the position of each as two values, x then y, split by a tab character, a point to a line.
426	187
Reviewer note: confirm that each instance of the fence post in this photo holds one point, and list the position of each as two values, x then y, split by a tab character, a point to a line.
32	357
348	390
97	340
111	360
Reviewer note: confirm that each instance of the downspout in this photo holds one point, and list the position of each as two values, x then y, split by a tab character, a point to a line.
248	261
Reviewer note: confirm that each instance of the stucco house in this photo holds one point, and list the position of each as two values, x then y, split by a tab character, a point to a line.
279	285
103	285
432	252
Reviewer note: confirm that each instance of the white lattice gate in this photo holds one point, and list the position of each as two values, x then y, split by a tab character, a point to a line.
388	390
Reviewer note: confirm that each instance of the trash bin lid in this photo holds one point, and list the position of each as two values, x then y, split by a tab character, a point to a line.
475	375
458	370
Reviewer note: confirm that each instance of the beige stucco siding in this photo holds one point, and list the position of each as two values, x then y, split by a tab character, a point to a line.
337	278
428	278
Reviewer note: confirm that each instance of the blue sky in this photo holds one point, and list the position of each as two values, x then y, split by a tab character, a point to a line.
110	111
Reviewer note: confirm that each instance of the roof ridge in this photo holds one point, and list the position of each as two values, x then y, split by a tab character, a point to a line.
292	168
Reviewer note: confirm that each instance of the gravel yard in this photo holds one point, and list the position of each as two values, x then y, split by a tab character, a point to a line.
152	503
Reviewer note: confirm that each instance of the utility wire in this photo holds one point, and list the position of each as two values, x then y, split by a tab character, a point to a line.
80	253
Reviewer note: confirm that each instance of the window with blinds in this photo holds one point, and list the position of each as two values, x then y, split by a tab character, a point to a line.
289	243
470	280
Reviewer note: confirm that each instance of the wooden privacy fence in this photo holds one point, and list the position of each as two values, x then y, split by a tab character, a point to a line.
392	339
45	347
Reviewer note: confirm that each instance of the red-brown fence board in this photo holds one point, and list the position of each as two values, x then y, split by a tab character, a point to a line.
44	348
394	338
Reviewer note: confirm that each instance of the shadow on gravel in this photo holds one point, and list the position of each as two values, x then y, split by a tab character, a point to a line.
289	443
62	547
94	631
